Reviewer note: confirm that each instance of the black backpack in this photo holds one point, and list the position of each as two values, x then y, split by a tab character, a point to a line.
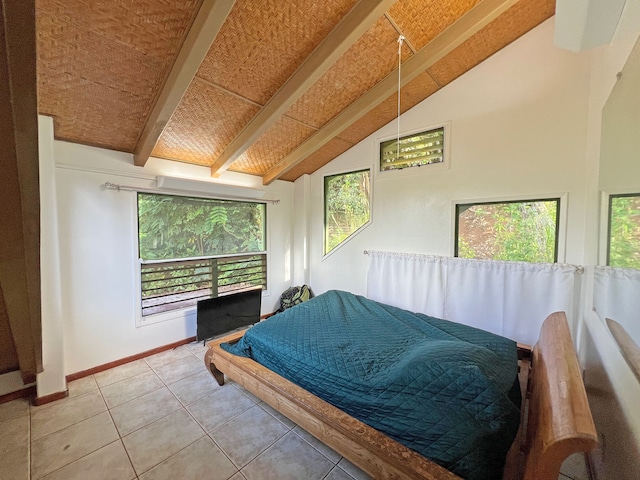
293	296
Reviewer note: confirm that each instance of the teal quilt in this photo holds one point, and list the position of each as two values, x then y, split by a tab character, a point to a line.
445	390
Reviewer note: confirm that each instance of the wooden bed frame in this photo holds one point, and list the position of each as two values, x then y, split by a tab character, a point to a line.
557	422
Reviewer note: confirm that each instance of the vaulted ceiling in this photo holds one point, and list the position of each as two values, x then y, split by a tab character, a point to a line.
273	88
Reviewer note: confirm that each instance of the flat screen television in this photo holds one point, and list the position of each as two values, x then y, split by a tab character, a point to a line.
225	313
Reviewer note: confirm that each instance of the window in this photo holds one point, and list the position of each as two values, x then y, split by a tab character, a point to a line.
624	231
195	248
524	231
346	206
413	150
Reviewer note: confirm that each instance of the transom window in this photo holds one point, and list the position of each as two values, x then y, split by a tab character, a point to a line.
347	206
194	248
624	231
515	230
413	150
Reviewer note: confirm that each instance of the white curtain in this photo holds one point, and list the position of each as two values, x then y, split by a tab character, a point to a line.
616	295
390	274
508	298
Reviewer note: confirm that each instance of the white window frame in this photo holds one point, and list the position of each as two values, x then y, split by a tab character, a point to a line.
434	167
362	227
562	218
605	198
186	313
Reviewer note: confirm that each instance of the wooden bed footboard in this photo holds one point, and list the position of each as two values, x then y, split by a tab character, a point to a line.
558	422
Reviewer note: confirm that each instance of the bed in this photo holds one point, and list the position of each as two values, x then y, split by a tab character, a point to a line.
534	445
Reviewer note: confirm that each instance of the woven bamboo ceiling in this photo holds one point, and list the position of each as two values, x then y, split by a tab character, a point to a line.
274	88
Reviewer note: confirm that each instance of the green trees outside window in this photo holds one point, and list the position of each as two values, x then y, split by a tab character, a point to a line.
171	227
347	206
413	150
196	248
624	231
524	231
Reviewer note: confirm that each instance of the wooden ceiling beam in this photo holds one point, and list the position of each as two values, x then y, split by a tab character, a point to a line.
355	23
206	25
456	34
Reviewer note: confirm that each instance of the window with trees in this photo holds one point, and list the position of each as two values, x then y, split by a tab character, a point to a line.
347	206
524	231
624	231
195	248
413	150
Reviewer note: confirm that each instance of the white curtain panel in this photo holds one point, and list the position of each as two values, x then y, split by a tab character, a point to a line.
391	276
508	298
616	295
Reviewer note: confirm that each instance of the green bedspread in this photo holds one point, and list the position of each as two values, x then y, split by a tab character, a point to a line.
445	390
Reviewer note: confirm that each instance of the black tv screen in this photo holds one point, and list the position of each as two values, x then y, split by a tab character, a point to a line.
223	314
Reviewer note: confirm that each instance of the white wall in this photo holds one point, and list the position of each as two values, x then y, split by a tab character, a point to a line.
518	127
526	122
51	380
613	389
98	253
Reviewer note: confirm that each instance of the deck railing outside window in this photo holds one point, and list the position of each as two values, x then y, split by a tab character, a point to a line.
174	284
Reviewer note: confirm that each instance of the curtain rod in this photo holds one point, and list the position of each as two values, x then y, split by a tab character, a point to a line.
185	193
578	268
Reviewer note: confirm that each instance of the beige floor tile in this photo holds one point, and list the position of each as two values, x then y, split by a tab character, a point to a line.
248	435
197	349
238	476
277	414
130	388
246	392
290	458
317	444
195	387
158	441
143	410
108	463
338	474
352	470
65	412
182	368
14	464
82	385
575	467
121	372
202	460
15	433
54	451
168	356
221	406
14	409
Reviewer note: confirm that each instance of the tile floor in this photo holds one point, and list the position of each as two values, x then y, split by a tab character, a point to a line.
164	417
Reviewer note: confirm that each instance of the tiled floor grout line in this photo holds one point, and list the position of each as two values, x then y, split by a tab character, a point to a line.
289	429
184	406
190	397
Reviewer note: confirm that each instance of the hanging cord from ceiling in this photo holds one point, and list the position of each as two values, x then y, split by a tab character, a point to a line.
400	42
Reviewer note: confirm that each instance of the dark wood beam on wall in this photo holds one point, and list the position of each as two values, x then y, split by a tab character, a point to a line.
20	192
